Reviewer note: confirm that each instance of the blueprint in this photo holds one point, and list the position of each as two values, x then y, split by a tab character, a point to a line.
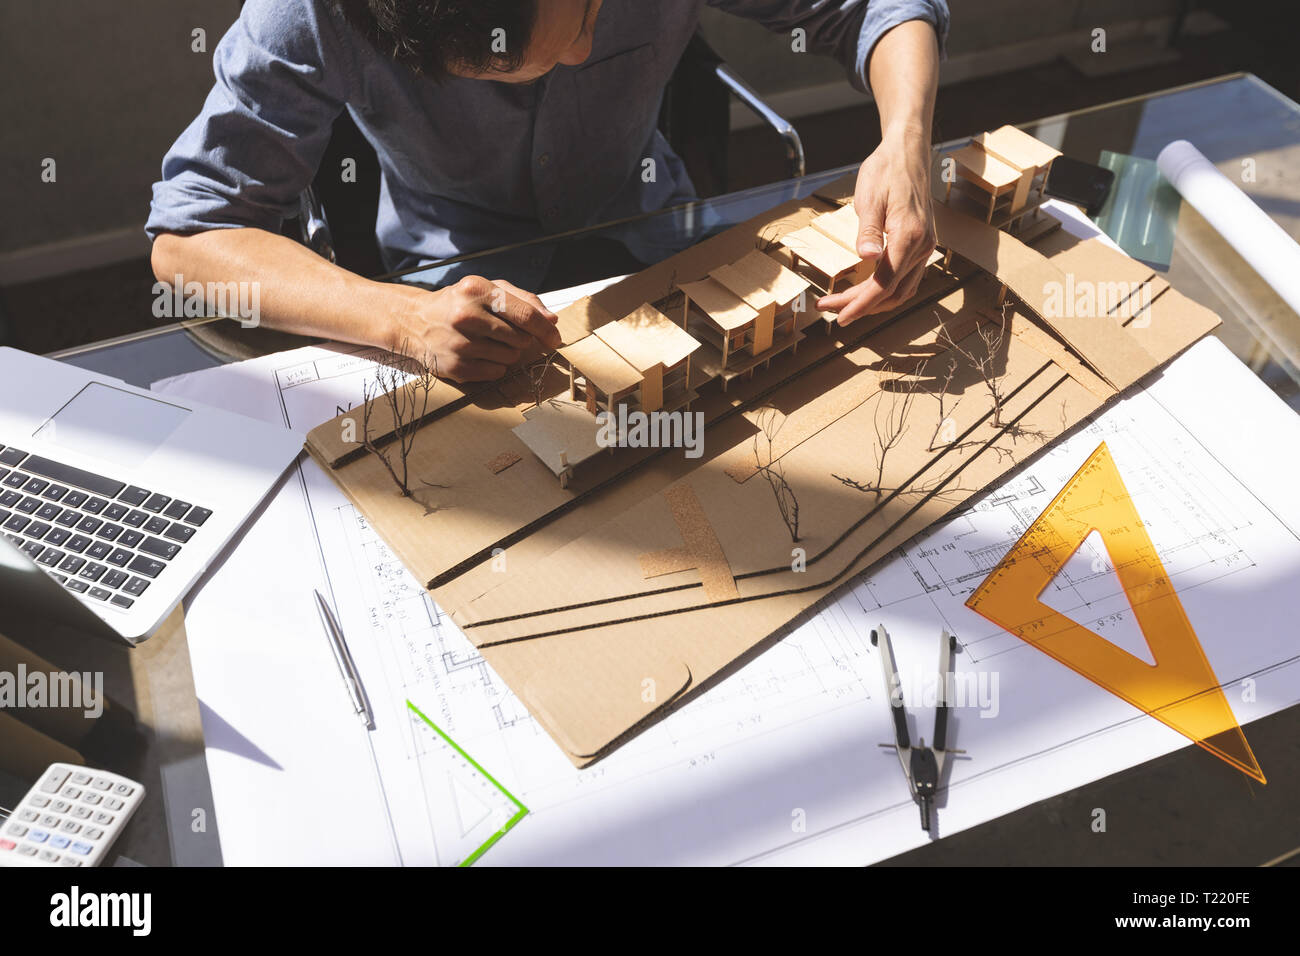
780	762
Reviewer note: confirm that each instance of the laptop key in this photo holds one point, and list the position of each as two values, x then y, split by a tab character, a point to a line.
78	543
122	600
36	530
99	550
72	564
115	512
69	518
160	548
78	586
33	549
51	557
35	486
89	525
10	498
66	474
99	594
134	496
198	515
118	559
5	515
75	499
28	505
94	505
55	492
92	571
58	536
136	586
12	456
146	566
17	523
14	480
114	579
110	532
180	532
136	518
156	503
130	539
176	509
61	578
48	512
156	525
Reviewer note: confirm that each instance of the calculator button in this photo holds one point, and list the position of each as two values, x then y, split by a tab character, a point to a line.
94	833
29	816
102	818
7	844
49	856
81	779
69	861
82	812
123	790
53	783
16	829
91	798
37	800
70	826
82	848
101	784
27	850
49	820
113	803
38	836
61	806
71	793
59	842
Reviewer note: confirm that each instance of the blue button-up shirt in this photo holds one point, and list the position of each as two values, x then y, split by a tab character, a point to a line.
467	164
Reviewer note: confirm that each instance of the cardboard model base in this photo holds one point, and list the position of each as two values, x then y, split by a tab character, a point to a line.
606	604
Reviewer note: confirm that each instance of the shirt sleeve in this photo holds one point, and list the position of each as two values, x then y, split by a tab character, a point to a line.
845	29
282	76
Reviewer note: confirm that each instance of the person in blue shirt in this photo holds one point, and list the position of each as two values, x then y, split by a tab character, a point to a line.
495	122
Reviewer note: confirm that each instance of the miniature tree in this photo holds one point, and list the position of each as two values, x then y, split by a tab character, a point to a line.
984	357
774	472
405	393
943	398
889	422
537	375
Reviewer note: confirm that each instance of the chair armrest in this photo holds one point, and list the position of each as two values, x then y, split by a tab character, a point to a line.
783	127
315	227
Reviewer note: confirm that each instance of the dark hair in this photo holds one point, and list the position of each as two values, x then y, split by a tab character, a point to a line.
433	37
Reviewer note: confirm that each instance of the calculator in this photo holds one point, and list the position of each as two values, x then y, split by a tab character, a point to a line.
69	818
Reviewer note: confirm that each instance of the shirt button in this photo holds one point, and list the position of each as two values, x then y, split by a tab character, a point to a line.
553	212
544	160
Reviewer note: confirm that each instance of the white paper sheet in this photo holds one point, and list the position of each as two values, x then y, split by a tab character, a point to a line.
780	762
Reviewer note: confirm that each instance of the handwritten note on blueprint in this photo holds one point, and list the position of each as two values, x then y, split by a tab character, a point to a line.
777	764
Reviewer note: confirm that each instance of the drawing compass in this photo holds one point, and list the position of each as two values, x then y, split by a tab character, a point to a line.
922	765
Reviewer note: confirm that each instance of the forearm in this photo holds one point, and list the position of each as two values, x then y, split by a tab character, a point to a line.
904	74
298	291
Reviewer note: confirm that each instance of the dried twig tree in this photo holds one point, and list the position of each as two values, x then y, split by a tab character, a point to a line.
984	358
402	388
893	405
537	375
774	472
944	411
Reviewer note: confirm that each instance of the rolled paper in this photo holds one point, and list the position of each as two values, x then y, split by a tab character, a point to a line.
1258	239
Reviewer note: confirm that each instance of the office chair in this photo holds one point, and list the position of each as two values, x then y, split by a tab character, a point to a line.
694	118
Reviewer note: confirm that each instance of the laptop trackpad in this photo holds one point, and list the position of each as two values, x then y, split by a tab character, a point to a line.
113	424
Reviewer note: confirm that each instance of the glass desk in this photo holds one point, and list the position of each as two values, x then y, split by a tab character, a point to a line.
1166	806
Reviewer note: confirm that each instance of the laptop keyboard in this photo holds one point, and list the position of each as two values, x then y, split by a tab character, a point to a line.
101	538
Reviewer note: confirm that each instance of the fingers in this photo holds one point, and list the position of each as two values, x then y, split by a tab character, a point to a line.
871	229
488	350
473	370
483	324
528	297
523	314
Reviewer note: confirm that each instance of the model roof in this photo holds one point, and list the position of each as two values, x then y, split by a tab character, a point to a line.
1016	147
601	365
724	307
647	338
823	252
989	169
759	279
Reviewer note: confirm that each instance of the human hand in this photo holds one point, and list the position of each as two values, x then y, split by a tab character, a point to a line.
472	331
892	198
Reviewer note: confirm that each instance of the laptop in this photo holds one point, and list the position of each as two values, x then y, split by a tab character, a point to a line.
120	497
